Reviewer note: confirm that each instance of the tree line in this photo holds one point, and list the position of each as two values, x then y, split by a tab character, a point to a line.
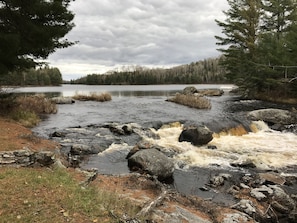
206	71
259	44
33	77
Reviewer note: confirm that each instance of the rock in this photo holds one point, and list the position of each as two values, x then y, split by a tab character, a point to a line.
212	147
219	180
211	92
190	90
198	136
261	192
246	206
274	116
63	100
120	129
244	164
202	92
139	146
271	178
282	198
237	217
45	158
153	162
80	149
58	134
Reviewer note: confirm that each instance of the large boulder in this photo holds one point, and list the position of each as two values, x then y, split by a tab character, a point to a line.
198	136
153	162
274	116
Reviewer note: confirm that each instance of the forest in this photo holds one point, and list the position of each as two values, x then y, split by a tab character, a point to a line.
32	77
205	71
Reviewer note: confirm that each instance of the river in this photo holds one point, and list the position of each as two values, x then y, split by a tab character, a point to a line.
142	104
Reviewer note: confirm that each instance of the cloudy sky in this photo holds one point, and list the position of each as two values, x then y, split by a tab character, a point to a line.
152	33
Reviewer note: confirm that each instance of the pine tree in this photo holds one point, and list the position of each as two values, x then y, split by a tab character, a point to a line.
241	33
31	30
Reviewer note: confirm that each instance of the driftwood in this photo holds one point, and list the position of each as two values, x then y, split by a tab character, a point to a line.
150	206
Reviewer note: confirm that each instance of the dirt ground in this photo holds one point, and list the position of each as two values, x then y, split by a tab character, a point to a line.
14	136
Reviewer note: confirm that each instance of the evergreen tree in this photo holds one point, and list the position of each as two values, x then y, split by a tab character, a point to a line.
241	30
31	30
260	37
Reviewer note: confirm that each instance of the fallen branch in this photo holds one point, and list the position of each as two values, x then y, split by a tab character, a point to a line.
150	206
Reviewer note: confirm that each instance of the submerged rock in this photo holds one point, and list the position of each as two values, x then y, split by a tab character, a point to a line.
153	162
198	136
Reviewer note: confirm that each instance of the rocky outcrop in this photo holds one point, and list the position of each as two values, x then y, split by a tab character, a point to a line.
63	100
190	90
202	92
198	136
153	162
274	116
26	158
211	92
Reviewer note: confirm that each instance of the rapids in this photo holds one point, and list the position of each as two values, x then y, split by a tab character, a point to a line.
264	147
236	139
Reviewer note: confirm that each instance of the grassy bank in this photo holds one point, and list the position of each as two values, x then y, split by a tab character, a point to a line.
55	195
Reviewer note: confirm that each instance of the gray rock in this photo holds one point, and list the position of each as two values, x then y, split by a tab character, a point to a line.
275	116
246	206
153	162
237	217
63	100
282	198
80	149
45	158
261	192
190	90
211	92
198	136
219	180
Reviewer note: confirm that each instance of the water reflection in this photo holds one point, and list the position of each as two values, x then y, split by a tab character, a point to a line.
116	90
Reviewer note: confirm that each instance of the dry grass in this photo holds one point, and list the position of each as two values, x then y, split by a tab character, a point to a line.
102	97
26	109
38	104
191	101
45	195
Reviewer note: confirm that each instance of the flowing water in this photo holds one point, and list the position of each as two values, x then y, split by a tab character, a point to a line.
143	104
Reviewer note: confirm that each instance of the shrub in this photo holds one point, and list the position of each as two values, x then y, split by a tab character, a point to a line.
38	104
191	100
25	109
93	97
26	118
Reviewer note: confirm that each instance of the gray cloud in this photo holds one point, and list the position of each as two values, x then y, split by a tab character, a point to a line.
142	32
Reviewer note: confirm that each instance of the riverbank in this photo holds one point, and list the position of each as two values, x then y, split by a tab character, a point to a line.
67	194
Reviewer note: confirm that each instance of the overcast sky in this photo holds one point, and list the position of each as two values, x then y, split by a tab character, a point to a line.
160	33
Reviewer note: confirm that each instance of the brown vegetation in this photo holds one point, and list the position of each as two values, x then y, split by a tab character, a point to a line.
102	97
191	101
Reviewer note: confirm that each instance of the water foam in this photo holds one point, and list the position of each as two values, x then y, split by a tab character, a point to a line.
264	147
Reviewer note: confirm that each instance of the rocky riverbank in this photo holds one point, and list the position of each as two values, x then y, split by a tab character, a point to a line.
240	193
169	189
